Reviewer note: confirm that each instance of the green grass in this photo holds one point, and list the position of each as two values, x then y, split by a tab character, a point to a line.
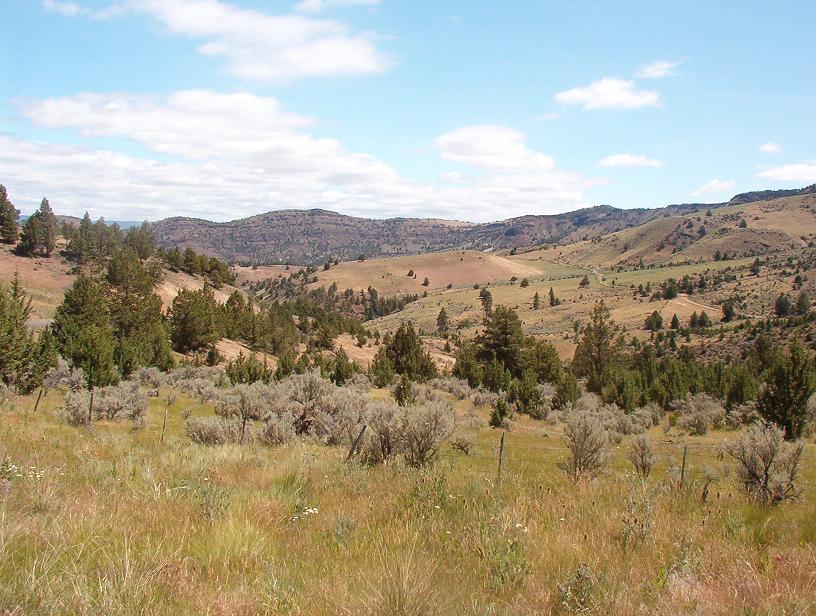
119	523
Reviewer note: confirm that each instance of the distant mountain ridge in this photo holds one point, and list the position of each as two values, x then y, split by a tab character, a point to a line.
314	236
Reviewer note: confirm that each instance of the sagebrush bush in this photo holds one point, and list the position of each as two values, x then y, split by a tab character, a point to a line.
125	400
485	397
424	430
768	466
277	430
213	430
586	440
150	377
699	413
458	388
641	455
75	407
381	440
8	397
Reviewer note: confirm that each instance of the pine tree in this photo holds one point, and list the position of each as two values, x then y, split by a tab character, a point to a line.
344	368
194	323
598	350
554	301
407	355
403	392
675	322
500	412
486	298
502	338
31	237
567	391
442	323
50	226
381	369
82	328
803	303
24	358
9	230
536	301
788	386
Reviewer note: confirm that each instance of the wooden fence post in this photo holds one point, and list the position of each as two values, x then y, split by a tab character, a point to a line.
356	443
501	456
683	466
164	424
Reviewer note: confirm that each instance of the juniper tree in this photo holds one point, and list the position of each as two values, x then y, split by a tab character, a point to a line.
788	386
9	230
194	323
536	301
554	301
486	297
599	348
442	322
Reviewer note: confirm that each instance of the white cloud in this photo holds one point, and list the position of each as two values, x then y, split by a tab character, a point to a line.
224	156
657	69
68	9
770	148
629	160
715	186
258	46
315	6
804	173
609	93
491	147
547	117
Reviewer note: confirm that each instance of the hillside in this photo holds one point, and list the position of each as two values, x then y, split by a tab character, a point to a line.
313	236
741	229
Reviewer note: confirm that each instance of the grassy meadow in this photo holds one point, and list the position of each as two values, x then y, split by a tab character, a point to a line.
110	520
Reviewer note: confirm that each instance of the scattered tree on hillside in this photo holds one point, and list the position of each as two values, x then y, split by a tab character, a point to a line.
536	301
675	322
84	334
803	303
442	323
728	311
486	298
9	230
193	320
554	301
407	355
654	321
584	282
599	348
24	357
782	306
789	384
39	234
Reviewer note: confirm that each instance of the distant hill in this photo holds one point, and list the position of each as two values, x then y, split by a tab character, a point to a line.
313	236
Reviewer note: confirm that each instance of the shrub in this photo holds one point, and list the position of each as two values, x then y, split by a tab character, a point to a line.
641	455
150	378
484	397
213	430
277	430
458	388
424	430
75	408
381	441
768	467
117	401
587	441
8	397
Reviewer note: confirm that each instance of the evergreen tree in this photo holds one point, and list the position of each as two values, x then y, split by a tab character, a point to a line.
442	323
803	303
136	311
539	358
567	391
554	301
82	328
499	413
599	348
467	365
50	226
486	297
675	322
782	307
502	338
31	237
194	323
788	386
403	392
654	322
24	358
381	369
407	355
9	230
344	368
584	282
536	301
728	311
142	240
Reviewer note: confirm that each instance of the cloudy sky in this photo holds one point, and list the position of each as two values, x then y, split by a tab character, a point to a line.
473	110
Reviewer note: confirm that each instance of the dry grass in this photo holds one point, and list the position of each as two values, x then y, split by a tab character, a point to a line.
119	523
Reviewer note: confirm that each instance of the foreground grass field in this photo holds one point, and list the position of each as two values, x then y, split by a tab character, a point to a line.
113	521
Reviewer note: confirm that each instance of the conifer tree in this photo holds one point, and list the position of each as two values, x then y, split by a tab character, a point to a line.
9	230
599	348
442	323
788	386
554	301
536	301
82	328
194	323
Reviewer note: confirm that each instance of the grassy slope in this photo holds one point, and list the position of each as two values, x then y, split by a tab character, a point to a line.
119	523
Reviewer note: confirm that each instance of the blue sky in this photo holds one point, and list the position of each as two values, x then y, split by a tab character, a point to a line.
137	109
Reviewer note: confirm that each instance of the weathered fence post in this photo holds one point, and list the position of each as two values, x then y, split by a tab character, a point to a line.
683	467
356	443
501	456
